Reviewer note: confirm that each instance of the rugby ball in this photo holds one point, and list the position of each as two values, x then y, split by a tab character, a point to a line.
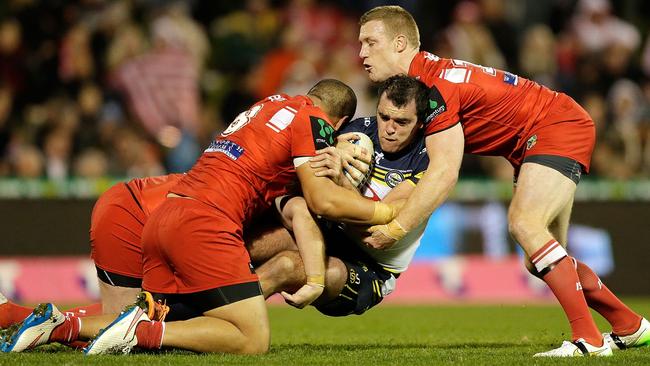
356	177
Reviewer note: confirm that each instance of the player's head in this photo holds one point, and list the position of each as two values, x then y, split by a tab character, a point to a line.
336	99
401	111
389	39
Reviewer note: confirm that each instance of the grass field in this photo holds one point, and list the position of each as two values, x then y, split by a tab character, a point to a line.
387	335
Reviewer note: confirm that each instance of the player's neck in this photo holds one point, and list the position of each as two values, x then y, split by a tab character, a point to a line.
406	59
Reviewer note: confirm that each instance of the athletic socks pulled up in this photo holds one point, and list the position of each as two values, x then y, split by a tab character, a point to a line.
624	321
559	273
150	334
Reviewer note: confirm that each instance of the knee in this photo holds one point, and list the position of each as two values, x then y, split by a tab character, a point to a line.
520	225
286	262
256	346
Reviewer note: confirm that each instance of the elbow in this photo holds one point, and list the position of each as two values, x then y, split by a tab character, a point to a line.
323	206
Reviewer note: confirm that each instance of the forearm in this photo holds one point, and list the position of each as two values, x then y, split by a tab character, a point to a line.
432	189
311	245
347	206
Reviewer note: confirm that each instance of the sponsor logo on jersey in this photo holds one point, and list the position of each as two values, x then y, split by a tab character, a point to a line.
393	178
378	156
322	132
437	104
231	149
510	78
531	142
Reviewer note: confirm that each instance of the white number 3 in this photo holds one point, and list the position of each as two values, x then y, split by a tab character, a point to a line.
242	120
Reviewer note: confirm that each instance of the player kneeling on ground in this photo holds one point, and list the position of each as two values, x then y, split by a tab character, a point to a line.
193	252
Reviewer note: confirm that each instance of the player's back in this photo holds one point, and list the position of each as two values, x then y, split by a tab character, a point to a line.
251	162
150	192
496	107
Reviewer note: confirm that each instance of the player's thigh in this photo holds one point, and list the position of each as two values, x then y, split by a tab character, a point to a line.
266	240
115	239
542	194
116	298
248	315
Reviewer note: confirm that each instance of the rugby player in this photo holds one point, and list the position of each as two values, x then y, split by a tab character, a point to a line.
115	229
545	135
359	277
193	252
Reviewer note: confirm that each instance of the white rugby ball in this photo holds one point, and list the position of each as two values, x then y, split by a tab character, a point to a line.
356	177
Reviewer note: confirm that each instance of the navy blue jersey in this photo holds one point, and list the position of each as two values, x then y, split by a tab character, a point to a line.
389	169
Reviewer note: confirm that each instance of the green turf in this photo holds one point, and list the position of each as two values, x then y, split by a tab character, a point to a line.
387	335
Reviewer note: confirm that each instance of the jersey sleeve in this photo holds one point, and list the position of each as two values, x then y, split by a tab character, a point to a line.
310	132
444	104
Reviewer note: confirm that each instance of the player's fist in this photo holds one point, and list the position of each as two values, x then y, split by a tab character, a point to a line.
328	163
304	296
356	152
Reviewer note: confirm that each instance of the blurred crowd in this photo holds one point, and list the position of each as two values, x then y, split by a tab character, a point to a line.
130	88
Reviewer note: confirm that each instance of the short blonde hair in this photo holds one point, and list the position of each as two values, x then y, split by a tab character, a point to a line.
397	21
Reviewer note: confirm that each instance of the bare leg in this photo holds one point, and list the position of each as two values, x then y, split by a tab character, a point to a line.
265	242
241	327
544	196
115	298
285	272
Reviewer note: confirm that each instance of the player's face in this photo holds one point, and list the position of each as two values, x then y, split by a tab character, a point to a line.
397	126
378	51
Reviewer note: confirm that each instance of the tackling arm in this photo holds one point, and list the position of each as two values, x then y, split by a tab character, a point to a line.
327	199
445	151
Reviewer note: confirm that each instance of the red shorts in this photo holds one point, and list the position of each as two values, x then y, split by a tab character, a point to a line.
191	247
566	131
115	228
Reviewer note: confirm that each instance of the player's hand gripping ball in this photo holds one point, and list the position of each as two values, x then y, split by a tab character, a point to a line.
357	162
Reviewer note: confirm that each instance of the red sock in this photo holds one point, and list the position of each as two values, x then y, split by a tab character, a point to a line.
150	334
86	310
11	314
68	331
563	281
624	321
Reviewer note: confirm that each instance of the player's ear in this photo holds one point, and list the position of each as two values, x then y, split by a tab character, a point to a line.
400	43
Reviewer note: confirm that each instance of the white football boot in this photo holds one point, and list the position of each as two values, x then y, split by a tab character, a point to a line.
34	330
119	336
578	348
639	338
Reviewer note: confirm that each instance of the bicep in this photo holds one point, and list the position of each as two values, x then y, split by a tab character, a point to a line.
311	184
445	149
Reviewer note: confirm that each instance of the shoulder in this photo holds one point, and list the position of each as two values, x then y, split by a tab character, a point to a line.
363	124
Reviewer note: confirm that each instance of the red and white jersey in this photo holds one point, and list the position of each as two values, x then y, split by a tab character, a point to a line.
252	161
150	192
496	108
